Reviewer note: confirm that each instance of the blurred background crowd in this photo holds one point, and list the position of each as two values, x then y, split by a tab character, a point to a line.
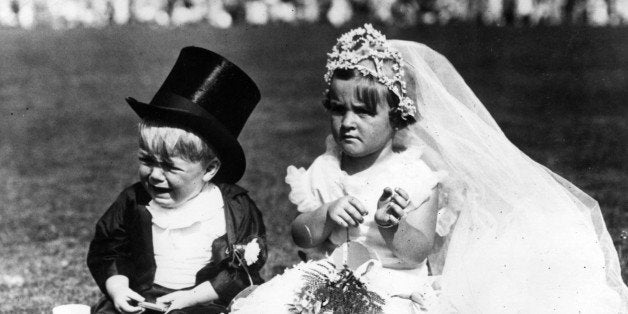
60	14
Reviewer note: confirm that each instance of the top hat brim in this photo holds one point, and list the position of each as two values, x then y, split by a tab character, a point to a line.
226	146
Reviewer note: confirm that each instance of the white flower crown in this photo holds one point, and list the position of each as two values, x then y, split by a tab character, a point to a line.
364	43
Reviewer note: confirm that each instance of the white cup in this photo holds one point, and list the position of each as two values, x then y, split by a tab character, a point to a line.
71	309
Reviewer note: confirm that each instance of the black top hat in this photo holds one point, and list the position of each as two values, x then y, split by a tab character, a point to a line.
212	97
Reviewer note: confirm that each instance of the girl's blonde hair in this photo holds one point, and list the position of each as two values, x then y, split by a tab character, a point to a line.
166	141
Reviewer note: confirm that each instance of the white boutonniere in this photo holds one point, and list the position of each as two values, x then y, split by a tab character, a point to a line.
247	255
249	252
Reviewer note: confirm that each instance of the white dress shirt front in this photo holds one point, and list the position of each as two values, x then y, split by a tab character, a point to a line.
183	237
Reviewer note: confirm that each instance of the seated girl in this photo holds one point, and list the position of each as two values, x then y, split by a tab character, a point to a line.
371	185
185	237
505	234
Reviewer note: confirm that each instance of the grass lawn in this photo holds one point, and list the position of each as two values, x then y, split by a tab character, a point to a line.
68	139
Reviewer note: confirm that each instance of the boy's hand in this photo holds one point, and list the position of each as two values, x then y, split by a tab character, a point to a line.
178	299
120	293
122	296
392	206
346	211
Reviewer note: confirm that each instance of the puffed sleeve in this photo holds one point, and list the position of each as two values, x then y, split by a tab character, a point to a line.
322	182
418	175
419	167
309	187
108	253
301	190
452	197
451	192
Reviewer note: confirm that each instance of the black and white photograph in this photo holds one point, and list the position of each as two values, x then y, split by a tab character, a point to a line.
314	156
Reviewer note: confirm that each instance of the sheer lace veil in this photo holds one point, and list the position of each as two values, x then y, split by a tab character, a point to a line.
525	239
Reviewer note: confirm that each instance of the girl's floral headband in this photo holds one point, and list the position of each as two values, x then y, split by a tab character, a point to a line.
367	43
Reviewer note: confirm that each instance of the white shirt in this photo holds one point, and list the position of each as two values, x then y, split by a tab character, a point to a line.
183	237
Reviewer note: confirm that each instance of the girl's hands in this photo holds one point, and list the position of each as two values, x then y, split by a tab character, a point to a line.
121	297
346	211
178	299
392	206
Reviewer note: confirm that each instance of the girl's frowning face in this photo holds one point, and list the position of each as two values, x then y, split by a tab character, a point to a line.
358	130
173	182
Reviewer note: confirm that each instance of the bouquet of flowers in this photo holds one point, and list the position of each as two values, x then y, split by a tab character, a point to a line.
322	287
335	292
312	287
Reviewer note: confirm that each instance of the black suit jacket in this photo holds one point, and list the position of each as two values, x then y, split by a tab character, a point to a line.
123	243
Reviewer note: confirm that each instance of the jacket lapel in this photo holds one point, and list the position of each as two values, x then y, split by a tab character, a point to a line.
229	219
146	226
145	221
229	192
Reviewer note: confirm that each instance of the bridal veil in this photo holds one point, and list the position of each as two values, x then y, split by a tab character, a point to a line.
523	239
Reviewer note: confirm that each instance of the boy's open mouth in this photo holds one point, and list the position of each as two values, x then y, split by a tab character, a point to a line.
159	190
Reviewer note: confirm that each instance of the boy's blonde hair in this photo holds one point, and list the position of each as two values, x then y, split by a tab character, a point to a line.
167	141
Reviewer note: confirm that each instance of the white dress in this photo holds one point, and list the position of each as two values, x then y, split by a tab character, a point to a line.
324	182
525	240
